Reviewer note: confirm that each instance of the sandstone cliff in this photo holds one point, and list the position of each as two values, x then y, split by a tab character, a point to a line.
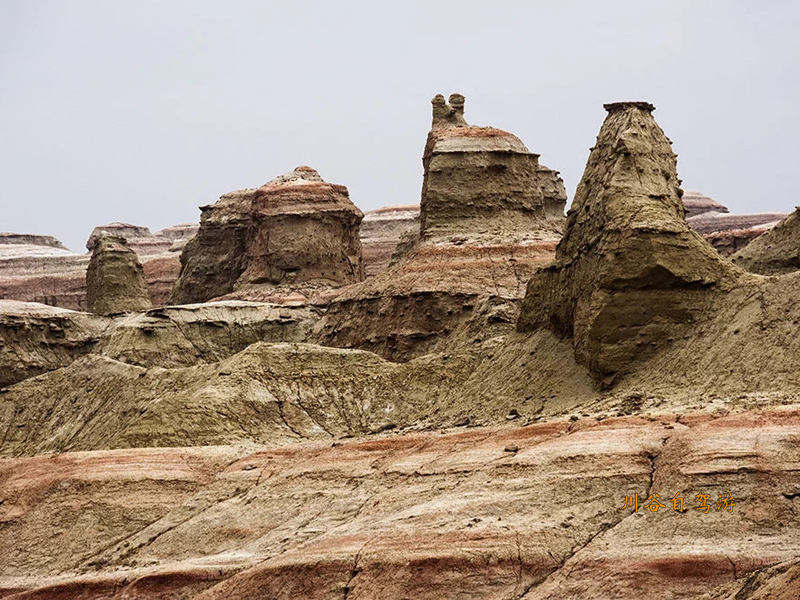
115	278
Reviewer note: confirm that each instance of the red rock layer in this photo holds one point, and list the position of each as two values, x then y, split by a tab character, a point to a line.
537	512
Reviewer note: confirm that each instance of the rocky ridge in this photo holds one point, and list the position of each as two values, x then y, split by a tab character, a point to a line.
776	252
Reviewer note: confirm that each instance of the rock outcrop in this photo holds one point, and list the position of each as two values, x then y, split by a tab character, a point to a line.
294	234
776	252
727	232
630	274
115	278
479	180
210	451
35	338
381	230
483	231
538	513
27	239
182	336
696	203
39	269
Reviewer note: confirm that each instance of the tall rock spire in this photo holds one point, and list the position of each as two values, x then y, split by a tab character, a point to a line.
629	271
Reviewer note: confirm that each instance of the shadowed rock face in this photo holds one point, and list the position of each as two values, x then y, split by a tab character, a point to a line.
296	232
776	252
115	279
629	273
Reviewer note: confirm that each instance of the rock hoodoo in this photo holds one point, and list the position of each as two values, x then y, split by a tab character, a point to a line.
483	230
629	272
296	233
480	180
115	279
775	252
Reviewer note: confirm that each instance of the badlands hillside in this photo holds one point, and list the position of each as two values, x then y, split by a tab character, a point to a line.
475	397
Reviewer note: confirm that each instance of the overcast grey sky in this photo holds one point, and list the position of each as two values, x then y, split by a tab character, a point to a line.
141	111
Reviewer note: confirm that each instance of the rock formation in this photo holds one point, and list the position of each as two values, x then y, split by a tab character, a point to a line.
40	269
479	180
35	338
211	451
180	336
27	239
483	231
776	252
296	232
726	232
696	203
629	273
381	230
115	278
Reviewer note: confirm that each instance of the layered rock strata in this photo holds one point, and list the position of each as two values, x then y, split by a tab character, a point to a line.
776	252
381	230
424	515
27	239
144	243
296	233
727	232
35	338
39	268
483	231
630	275
115	278
696	203
180	336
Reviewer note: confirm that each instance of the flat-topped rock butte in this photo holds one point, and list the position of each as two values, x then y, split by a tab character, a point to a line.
539	385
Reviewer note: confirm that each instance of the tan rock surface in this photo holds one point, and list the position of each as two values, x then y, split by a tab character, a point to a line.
35	338
776	252
420	515
179	336
629	274
115	278
294	234
483	231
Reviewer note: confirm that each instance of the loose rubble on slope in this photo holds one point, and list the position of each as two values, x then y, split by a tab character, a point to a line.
546	419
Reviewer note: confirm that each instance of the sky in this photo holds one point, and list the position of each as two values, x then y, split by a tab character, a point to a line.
142	111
